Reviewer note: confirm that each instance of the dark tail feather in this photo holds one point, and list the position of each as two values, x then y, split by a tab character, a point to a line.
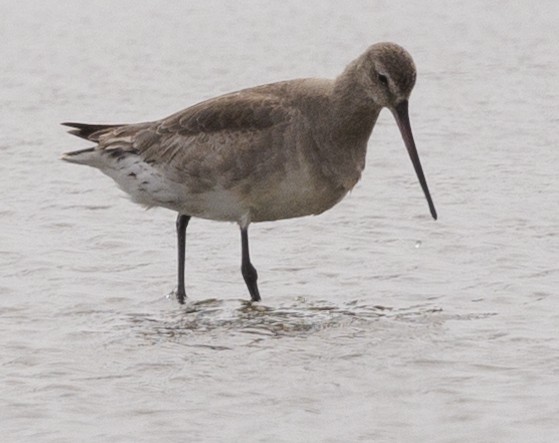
85	130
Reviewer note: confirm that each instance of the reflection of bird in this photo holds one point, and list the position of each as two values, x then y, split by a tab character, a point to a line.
266	153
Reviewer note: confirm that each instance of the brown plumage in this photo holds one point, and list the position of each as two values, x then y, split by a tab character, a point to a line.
275	151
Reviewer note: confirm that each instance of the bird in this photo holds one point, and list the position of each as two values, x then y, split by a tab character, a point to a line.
275	151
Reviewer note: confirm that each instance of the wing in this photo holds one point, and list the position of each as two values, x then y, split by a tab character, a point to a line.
219	141
216	124
222	140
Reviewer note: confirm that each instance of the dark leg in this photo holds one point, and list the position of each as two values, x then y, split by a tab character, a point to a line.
182	223
249	273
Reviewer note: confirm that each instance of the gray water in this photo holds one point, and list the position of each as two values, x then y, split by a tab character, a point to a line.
378	323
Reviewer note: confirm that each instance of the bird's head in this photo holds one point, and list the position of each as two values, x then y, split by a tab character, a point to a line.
387	75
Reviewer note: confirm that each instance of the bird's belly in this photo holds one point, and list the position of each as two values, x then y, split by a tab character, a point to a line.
151	187
295	195
278	196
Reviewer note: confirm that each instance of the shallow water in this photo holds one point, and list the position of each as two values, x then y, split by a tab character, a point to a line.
378	324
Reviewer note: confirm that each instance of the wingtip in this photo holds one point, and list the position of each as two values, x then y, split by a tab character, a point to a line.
78	129
72	124
88	131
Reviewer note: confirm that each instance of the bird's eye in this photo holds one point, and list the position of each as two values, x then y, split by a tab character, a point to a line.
383	79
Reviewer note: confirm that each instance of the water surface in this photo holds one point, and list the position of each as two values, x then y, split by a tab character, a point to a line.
378	324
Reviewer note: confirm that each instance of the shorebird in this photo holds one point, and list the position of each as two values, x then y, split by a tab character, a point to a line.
271	152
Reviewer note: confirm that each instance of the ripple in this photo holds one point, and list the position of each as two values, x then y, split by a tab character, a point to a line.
240	317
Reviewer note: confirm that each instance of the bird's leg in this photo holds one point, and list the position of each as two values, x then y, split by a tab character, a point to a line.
182	223
249	272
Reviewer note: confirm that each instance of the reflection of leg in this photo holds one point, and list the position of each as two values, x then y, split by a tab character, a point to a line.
249	272
182	223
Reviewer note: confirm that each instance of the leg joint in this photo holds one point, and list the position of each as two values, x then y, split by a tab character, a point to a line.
249	272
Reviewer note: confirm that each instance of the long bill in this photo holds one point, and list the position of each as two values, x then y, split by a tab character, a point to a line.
402	118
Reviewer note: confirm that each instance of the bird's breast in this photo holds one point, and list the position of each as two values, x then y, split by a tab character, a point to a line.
294	193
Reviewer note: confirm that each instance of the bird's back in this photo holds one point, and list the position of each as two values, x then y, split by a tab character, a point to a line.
252	155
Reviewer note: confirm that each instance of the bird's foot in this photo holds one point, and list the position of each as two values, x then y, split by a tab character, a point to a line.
255	295
181	295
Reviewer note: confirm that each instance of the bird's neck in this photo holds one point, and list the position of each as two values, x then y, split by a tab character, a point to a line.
355	111
352	115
